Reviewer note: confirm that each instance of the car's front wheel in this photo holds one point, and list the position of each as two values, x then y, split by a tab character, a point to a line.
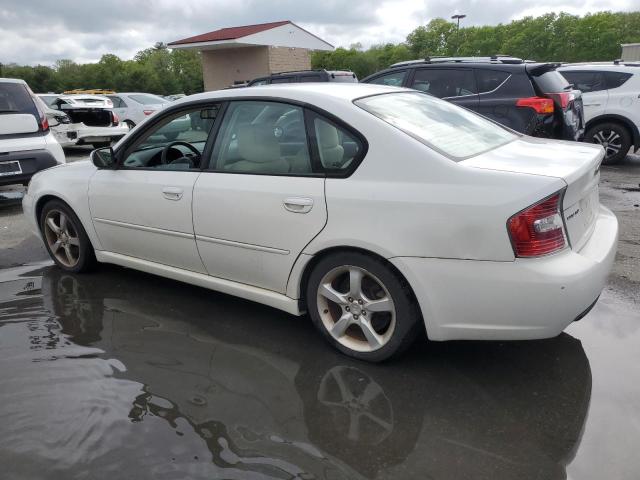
65	238
614	138
363	307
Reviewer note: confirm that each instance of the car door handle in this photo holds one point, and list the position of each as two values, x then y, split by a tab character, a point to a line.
172	193
298	204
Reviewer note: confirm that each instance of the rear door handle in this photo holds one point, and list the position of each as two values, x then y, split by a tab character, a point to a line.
172	193
298	204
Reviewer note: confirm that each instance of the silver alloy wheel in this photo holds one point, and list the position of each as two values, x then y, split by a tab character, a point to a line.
356	308
62	238
610	140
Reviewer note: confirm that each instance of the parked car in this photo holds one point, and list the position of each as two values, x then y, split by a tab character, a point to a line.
531	98
380	211
134	108
173	98
611	95
27	145
83	120
304	76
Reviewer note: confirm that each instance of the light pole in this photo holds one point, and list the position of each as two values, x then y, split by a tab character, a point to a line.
457	17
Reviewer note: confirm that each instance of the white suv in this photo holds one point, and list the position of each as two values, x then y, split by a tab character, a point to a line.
611	98
26	143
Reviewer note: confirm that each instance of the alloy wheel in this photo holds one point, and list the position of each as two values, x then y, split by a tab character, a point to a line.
610	140
62	238
356	308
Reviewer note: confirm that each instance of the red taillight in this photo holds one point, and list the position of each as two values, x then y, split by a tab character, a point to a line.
539	104
539	229
564	98
44	124
115	120
148	112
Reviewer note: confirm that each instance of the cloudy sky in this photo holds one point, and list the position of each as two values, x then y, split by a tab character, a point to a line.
42	31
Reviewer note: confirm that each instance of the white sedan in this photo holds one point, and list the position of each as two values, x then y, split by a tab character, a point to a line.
382	212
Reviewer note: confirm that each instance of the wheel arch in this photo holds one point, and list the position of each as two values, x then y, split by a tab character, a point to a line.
46	198
614	118
301	282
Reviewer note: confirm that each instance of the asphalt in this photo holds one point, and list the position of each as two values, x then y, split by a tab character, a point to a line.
122	374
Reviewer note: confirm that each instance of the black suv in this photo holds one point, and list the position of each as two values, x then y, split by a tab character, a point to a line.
529	97
306	76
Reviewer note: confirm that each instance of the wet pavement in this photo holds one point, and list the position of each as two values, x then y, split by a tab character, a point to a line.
120	374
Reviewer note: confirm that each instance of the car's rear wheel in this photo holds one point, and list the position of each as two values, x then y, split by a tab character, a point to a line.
363	307
614	138
65	238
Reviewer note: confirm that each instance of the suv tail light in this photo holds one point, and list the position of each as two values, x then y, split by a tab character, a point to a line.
148	112
539	104
115	119
539	229
564	98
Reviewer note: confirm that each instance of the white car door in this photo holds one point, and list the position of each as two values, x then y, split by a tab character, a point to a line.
261	201
142	209
595	95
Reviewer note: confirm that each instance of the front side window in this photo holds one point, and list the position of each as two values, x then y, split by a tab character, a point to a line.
261	137
586	81
175	143
393	79
445	83
447	128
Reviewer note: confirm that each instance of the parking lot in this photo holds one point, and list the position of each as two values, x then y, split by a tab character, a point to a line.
131	372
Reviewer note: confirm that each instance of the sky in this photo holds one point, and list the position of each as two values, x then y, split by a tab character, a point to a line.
43	31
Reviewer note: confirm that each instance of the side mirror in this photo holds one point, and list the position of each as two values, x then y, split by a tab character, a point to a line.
103	158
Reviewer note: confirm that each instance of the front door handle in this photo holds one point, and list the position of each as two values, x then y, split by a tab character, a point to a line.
172	193
298	204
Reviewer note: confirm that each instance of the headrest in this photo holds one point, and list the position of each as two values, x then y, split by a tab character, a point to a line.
257	143
327	134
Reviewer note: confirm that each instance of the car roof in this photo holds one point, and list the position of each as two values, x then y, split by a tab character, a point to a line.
12	80
609	67
299	92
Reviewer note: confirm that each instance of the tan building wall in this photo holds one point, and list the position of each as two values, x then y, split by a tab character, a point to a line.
285	59
222	68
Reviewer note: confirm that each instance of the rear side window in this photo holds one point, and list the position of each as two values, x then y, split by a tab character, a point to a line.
147	99
551	82
15	98
489	80
586	81
337	148
443	126
616	79
445	83
393	79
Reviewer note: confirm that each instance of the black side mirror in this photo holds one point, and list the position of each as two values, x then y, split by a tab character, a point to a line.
104	158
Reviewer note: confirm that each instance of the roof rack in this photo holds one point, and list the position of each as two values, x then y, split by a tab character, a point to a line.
617	62
499	58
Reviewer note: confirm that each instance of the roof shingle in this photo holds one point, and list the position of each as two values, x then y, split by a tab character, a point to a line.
230	33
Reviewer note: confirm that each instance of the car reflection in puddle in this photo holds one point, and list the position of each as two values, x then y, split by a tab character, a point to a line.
121	371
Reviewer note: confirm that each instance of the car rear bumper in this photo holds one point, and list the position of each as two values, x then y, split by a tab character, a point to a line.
520	300
80	134
29	161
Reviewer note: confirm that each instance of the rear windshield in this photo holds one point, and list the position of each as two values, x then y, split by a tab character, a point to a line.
447	128
147	99
15	98
551	82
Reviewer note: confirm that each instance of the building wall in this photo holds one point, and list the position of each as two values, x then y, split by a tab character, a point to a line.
221	68
286	59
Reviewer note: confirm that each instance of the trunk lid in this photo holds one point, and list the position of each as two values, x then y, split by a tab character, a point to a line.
578	164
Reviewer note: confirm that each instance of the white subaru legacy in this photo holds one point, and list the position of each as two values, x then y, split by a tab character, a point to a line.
382	212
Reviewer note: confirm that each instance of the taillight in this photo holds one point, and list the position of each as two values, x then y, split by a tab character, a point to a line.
148	112
44	124
538	229
115	120
564	98
539	104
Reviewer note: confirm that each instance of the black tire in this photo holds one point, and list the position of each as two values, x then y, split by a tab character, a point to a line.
86	258
602	131
101	144
407	315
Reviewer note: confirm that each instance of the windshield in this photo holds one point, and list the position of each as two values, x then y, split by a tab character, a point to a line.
447	128
148	99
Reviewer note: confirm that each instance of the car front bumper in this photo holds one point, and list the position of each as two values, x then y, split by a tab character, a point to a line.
521	300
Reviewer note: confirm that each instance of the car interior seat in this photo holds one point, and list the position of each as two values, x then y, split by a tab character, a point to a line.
259	151
331	152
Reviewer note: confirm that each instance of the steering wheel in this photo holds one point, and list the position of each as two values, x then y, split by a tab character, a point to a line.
165	150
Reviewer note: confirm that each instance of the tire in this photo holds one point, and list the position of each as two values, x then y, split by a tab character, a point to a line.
74	252
101	144
614	137
356	330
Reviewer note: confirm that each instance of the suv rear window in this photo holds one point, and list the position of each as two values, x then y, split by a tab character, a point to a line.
551	82
447	128
15	98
